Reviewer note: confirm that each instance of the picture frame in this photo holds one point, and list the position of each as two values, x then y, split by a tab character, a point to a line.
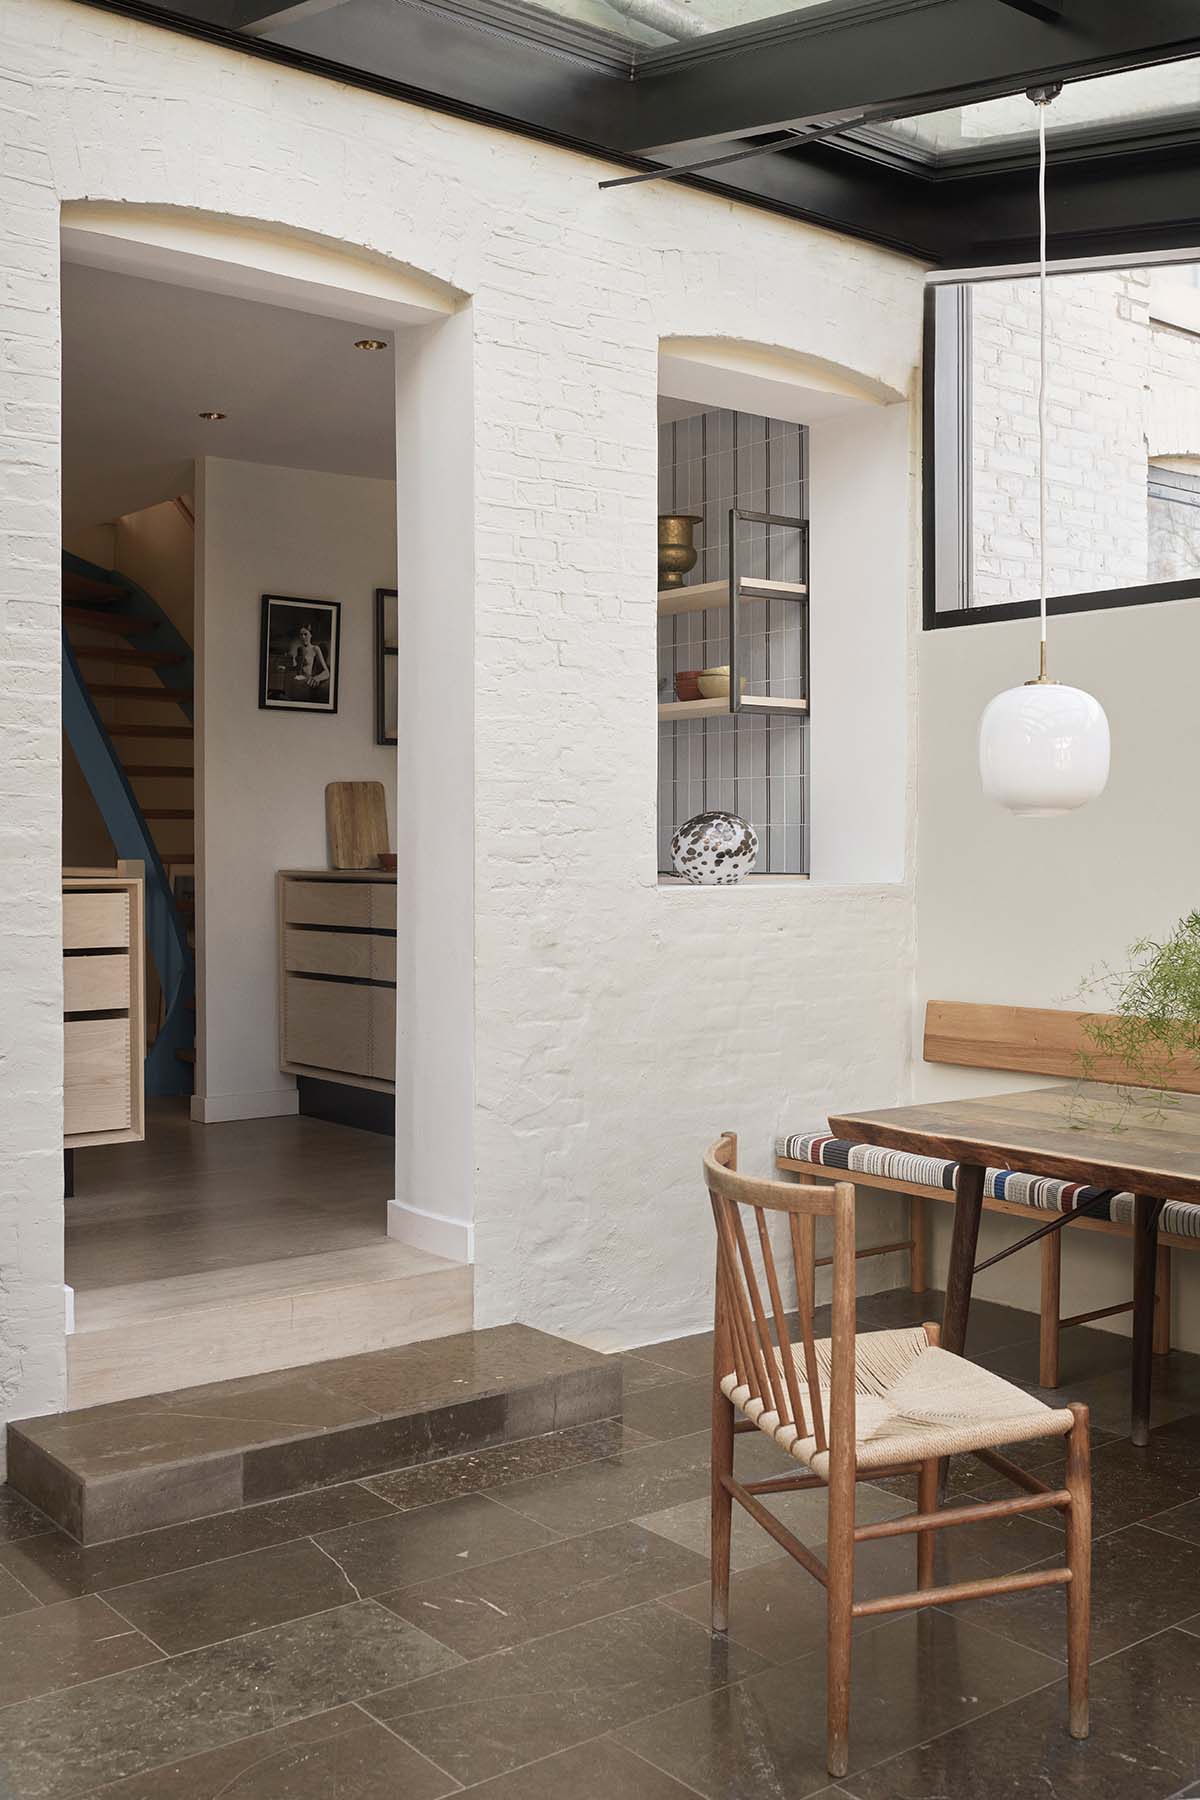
387	665
299	657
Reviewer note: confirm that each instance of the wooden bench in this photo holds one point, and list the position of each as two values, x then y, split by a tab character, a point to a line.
1033	1041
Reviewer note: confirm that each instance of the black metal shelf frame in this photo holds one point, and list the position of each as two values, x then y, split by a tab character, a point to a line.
760	706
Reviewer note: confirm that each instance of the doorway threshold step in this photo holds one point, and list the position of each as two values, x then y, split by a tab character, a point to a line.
110	1471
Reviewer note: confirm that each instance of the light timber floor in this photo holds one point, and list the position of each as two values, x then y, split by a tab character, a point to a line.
238	1248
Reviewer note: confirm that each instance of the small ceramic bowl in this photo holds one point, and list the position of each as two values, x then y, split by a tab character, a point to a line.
687	684
714	683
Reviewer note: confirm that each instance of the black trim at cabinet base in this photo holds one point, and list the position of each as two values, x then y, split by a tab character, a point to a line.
366	1109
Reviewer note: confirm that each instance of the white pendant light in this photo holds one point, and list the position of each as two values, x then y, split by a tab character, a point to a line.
1043	747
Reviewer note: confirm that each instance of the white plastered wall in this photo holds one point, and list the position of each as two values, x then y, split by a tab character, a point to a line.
615	1026
262	774
1021	911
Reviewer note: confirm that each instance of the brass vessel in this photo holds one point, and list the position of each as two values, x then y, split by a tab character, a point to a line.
676	551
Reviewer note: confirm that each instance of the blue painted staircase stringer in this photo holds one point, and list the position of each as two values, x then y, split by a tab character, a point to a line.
166	933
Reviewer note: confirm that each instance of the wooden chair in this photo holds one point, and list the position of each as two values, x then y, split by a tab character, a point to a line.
853	1407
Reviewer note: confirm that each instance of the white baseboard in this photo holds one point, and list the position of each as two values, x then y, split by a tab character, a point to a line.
219	1109
451	1238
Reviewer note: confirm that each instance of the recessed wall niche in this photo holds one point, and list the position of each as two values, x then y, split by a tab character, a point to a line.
711	461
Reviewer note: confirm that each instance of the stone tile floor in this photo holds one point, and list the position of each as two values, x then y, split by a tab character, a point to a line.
529	1622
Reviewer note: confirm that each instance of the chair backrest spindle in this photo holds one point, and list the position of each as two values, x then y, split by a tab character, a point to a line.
771	1370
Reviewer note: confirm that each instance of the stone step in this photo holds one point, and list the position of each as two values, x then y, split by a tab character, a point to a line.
110	1471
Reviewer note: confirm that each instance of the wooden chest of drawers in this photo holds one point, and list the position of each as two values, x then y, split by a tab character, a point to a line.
104	1027
337	975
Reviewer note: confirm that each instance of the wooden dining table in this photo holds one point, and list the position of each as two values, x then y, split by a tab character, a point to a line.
1081	1131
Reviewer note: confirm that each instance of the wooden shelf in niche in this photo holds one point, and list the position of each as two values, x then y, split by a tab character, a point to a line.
719	708
705	594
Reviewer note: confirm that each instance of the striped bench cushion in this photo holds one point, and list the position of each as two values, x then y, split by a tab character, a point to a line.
1180	1218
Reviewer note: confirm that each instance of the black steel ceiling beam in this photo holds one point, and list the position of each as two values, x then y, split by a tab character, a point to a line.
891	58
1111	206
1037	9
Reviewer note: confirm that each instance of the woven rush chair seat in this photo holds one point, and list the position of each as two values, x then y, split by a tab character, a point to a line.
913	1401
1179	1218
853	1407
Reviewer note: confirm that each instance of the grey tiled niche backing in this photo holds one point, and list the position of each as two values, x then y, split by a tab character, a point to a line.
757	768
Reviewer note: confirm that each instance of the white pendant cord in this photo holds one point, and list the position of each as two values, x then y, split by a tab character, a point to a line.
1042	374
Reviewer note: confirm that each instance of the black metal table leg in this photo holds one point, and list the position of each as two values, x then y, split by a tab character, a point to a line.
1145	1245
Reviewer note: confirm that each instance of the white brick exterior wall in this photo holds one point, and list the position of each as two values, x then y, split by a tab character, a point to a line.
617	1026
1123	388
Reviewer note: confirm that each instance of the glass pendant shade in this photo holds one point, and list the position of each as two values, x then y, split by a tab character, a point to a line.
1043	749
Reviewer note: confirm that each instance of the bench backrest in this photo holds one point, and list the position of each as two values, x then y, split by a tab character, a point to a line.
1037	1041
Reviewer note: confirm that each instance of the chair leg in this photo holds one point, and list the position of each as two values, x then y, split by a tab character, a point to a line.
927	1487
722	1508
918	1279
1079	1561
1162	1301
839	1601
1050	1330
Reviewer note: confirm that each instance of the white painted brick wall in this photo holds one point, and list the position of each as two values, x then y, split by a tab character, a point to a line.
618	1026
1122	388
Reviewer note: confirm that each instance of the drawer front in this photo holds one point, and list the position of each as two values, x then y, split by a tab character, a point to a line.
383	1033
327	903
383	905
96	1076
327	1025
96	921
329	953
383	959
95	983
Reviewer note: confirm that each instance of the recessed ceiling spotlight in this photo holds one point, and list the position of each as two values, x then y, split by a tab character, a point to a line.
211	415
370	343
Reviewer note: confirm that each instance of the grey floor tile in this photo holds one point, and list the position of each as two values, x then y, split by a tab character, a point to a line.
803	1513
778	1610
15	1597
66	1744
601	1770
1144	1743
405	1548
616	1489
683	1355
339	1755
764	1739
1179	1521
487	1717
1084	1353
18	1519
1142	1582
503	1463
59	1646
673	1410
1129	1483
638	1371
545	1590
55	1567
227	1599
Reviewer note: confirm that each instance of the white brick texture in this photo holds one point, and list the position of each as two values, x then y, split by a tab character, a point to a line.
617	1026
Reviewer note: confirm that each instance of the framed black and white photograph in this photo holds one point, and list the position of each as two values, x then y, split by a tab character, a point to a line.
299	652
387	665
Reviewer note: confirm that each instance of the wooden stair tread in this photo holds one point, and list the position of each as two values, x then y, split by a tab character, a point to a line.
146	659
164	731
119	690
107	621
184	770
83	587
167	812
186	1056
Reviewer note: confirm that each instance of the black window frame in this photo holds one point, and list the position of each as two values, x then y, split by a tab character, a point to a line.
935	618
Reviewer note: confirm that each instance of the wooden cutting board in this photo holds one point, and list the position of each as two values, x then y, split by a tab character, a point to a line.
356	819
